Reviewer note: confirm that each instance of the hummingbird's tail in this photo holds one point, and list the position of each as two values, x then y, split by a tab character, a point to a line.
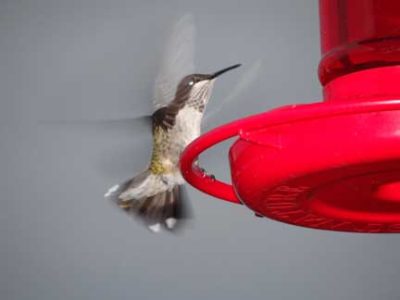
157	200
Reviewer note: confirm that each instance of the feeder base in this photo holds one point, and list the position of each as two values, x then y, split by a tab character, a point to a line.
337	172
363	198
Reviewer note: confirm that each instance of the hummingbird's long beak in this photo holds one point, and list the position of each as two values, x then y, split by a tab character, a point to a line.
216	74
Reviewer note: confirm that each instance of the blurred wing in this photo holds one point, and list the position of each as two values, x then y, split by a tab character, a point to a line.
110	147
177	62
137	127
249	76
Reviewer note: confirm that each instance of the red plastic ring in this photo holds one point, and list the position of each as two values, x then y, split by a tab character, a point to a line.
288	114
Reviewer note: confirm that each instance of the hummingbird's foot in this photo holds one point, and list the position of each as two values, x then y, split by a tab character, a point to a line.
206	174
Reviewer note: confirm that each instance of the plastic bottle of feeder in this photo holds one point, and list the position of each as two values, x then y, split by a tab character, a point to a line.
358	35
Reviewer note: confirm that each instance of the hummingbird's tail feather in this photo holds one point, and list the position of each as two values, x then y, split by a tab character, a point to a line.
165	209
153	200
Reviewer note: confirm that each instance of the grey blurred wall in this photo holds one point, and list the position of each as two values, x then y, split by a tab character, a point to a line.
91	60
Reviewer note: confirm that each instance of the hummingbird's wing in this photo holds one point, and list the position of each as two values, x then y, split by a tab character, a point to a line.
136	126
142	124
248	77
177	61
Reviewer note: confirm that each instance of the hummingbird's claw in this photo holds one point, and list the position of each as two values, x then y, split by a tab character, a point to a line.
206	174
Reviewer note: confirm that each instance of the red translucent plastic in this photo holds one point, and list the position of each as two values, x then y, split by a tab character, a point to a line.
358	35
331	165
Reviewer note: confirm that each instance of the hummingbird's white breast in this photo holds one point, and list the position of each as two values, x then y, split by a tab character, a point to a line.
170	143
188	120
187	126
186	129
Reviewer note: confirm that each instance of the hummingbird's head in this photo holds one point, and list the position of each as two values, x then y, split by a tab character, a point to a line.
195	89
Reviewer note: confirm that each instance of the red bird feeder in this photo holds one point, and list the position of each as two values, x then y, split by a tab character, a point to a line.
331	165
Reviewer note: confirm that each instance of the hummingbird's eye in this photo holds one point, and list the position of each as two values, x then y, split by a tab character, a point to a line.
191	82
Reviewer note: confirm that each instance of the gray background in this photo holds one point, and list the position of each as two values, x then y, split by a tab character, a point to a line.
88	60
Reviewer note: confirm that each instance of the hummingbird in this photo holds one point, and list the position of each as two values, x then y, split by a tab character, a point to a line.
155	195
